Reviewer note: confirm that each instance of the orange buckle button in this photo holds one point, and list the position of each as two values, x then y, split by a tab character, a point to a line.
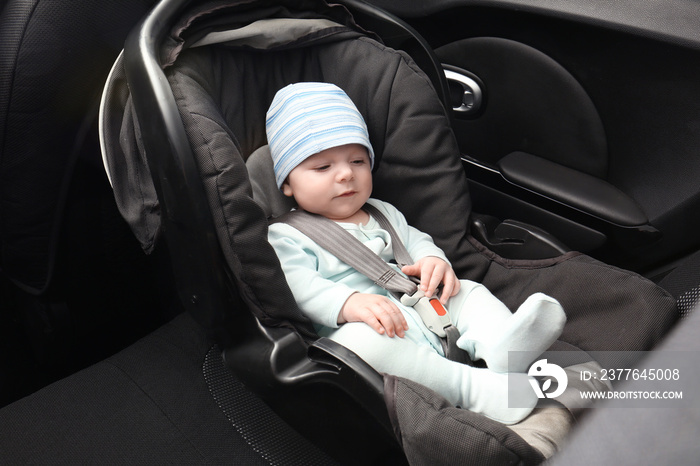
437	305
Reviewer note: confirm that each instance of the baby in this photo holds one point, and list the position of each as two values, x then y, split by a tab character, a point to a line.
323	158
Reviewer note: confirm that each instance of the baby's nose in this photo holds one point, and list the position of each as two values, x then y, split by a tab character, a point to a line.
344	172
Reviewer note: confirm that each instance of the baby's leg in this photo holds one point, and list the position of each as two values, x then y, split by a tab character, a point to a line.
489	330
479	390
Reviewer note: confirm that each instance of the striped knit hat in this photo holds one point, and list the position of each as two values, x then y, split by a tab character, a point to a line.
307	118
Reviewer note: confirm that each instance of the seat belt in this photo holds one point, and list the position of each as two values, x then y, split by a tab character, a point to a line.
342	244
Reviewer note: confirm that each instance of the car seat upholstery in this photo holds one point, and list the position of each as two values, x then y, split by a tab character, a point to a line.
682	283
167	399
65	250
48	99
220	90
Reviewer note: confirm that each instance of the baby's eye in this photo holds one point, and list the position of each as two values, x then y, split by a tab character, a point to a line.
359	162
322	168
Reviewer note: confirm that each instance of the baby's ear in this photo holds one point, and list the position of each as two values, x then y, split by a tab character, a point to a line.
287	189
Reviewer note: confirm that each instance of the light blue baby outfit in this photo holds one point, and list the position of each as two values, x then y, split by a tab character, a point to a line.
321	284
321	294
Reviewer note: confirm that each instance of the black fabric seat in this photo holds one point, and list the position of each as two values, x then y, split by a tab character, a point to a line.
167	399
75	284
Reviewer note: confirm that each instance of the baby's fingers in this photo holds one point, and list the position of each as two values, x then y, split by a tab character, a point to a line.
373	322
431	279
412	270
451	286
391	318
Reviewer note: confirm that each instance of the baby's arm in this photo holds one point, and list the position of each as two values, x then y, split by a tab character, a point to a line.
318	298
377	311
327	302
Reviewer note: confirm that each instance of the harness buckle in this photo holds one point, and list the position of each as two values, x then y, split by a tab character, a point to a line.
430	310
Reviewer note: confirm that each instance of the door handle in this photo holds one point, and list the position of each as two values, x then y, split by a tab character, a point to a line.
467	94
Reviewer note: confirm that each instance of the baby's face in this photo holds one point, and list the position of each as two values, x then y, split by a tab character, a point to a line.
334	183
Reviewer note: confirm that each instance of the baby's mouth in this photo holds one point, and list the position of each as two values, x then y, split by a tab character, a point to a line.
348	194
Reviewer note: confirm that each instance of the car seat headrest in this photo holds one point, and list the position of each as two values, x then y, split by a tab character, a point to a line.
265	191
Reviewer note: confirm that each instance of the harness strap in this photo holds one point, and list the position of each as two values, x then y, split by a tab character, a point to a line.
336	240
343	245
401	254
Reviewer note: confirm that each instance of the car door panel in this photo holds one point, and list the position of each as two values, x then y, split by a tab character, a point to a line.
590	125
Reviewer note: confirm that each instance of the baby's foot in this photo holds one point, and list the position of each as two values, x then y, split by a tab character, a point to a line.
506	398
532	329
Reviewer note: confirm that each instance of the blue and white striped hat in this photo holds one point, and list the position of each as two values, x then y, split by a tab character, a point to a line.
307	118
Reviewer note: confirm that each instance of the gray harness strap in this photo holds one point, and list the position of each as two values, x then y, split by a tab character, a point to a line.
334	239
343	245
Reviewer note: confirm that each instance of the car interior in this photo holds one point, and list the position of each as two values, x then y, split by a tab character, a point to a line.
144	316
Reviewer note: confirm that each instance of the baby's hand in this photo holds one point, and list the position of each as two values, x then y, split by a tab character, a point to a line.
432	271
376	311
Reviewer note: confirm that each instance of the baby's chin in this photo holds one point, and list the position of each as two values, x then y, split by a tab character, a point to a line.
356	216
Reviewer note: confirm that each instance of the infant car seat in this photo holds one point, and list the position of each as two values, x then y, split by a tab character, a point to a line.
184	109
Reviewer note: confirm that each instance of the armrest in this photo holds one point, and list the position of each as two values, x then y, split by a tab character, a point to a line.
271	360
573	188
